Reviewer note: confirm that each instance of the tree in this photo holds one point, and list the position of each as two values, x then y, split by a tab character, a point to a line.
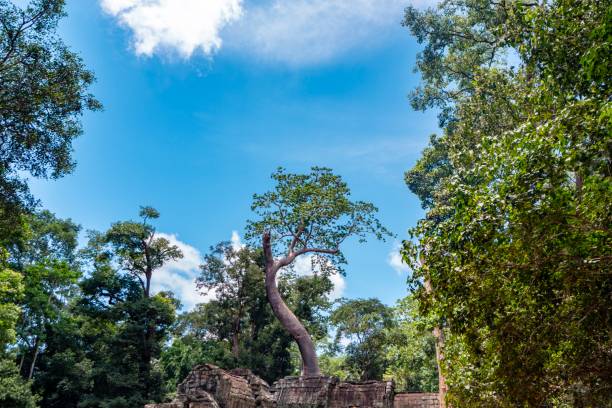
136	249
14	391
363	323
232	274
517	192
411	349
240	315
43	92
46	259
307	214
129	253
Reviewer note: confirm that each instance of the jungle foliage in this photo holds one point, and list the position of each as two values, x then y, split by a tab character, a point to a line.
516	243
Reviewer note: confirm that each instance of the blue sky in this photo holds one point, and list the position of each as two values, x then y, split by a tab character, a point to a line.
204	99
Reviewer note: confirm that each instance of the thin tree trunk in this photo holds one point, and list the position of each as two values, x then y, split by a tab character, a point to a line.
21	362
310	364
442	389
34	357
439	336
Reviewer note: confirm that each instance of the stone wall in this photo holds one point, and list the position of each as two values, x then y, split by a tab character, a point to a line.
416	400
208	386
373	394
328	392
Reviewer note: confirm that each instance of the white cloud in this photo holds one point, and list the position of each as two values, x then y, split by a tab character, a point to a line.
181	26
236	241
306	32
303	267
394	259
179	276
293	32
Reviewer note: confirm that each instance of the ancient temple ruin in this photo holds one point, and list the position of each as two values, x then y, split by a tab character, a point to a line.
208	386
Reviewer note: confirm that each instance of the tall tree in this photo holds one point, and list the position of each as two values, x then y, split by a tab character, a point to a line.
411	349
14	391
240	314
307	214
133	251
517	190
363	323
46	259
43	93
135	248
232	274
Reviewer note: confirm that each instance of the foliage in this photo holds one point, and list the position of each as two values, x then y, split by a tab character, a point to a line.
43	93
312	213
135	248
363	323
11	292
14	391
411	350
307	215
516	241
239	320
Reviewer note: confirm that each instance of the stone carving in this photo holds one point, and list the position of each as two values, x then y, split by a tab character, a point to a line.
208	386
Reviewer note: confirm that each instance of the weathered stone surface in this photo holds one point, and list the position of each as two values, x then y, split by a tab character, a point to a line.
372	394
259	388
303	392
416	400
328	392
208	386
208	381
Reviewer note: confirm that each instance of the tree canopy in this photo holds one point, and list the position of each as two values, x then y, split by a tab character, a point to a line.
43	93
307	214
516	241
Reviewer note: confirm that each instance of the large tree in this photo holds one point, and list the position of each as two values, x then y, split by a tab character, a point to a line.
240	320
43	93
133	249
516	242
231	274
362	325
307	214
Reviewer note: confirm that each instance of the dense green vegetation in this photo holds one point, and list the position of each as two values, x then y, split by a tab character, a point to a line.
511	265
513	259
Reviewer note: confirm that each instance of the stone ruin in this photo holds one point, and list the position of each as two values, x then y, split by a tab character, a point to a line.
208	386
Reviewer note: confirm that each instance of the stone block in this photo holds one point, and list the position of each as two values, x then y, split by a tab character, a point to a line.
370	394
303	392
416	400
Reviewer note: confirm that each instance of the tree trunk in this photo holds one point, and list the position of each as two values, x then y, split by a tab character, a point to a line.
34	357
235	344
310	364
439	335
23	353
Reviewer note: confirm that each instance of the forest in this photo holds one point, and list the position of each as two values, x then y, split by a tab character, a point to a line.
509	292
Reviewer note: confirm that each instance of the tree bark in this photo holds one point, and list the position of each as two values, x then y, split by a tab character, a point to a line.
439	336
310	363
34	357
442	389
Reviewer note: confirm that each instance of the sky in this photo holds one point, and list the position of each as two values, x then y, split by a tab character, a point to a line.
204	99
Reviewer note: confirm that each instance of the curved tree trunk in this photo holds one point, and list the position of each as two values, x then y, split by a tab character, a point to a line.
310	363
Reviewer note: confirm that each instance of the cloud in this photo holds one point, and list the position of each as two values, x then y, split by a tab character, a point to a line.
179	276
394	259
179	26
293	32
303	267
306	32
236	241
